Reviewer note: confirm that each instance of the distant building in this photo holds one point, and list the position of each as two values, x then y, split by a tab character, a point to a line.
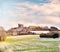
21	30
18	30
53	28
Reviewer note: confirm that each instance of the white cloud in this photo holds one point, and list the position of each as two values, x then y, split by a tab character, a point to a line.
31	13
27	10
47	8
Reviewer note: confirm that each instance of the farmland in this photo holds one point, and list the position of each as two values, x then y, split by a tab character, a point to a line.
30	43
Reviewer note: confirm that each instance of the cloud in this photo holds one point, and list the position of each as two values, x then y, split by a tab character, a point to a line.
47	8
29	12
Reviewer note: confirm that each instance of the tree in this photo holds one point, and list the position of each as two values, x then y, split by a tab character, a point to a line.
2	34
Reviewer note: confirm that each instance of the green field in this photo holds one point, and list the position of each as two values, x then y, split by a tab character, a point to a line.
30	43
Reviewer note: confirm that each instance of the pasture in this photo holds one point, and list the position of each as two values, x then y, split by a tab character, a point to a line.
30	43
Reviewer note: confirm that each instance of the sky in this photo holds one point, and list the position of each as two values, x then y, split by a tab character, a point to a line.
29	12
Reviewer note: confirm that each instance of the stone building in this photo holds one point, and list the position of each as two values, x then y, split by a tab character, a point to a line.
18	30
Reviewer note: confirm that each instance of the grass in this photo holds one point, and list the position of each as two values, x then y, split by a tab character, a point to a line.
31	43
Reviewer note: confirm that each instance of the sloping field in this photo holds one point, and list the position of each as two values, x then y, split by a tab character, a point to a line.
30	43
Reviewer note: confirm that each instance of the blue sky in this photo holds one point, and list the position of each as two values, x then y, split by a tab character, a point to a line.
29	12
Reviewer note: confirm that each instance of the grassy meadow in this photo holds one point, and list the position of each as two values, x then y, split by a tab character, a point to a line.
30	43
